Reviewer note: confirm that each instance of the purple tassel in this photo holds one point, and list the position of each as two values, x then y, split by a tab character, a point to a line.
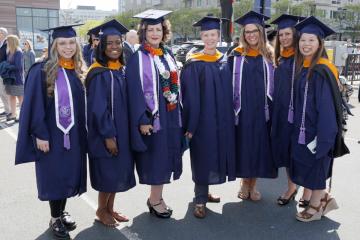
236	120
66	141
291	115
301	139
267	114
156	124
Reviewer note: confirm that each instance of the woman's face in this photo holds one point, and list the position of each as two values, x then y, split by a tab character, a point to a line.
26	46
286	37
210	38
252	35
113	47
308	44
66	47
154	34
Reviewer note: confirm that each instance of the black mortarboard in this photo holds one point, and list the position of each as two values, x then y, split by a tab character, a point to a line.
252	18
112	27
314	26
286	20
209	23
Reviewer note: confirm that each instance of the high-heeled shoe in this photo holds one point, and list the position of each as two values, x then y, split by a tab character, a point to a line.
305	216
152	210
303	203
167	207
330	204
284	201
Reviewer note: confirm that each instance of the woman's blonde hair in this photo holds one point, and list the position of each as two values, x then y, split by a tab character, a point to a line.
13	44
263	47
30	44
52	64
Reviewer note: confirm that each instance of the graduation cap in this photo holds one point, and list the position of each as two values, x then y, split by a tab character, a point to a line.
252	17
62	31
152	16
209	23
314	26
112	27
286	20
66	31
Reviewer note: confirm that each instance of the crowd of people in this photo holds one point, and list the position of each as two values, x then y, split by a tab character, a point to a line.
244	115
15	62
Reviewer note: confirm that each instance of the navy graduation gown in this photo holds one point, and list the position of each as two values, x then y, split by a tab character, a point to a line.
280	128
157	156
252	134
109	173
60	173
207	114
88	54
307	169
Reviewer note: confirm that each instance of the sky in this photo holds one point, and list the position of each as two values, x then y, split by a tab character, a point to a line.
99	4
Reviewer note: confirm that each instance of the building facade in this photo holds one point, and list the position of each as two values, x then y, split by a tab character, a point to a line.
138	5
25	18
82	14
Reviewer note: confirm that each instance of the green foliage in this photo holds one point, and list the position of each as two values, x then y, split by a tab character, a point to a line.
82	31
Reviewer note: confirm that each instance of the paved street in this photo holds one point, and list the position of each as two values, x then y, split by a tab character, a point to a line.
24	217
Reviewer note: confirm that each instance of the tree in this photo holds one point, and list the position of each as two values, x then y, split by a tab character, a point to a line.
83	30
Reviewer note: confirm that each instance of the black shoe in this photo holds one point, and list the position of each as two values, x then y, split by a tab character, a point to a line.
3	114
284	201
166	214
167	207
10	118
59	230
68	222
303	203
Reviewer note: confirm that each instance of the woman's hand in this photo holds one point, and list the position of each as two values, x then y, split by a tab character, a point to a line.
111	146
146	129
42	145
188	135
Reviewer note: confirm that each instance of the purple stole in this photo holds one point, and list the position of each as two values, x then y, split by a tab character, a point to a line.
237	84
150	86
64	108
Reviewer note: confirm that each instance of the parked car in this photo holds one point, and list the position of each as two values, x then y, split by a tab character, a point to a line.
183	50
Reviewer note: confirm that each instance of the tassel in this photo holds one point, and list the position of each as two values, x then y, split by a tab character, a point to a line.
267	113
291	115
156	124
67	141
301	139
236	120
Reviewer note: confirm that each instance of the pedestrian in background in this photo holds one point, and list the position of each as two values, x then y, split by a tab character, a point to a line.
15	89
131	40
3	96
29	56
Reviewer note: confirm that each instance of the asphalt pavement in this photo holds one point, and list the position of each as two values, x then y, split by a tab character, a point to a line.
24	217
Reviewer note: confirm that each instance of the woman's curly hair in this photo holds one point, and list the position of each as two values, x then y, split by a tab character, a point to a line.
166	26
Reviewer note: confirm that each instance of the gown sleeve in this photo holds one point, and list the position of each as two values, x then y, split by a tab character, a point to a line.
190	91
137	106
326	120
32	122
99	90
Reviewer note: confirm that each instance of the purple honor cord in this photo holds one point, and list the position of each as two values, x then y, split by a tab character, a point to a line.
301	139
291	104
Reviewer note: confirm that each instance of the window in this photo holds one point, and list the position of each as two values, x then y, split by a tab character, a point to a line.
199	3
30	21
